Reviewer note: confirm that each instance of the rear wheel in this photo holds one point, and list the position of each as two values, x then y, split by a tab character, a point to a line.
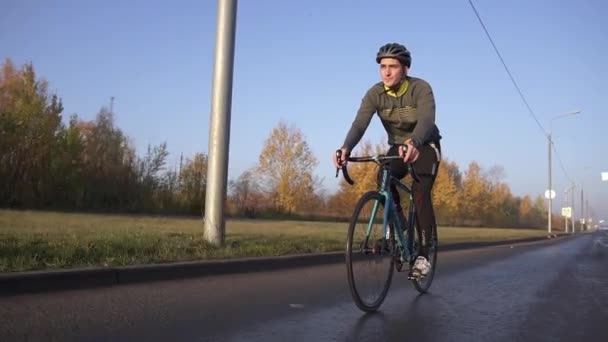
369	253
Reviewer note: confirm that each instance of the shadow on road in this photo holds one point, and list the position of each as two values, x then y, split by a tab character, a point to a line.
599	248
378	326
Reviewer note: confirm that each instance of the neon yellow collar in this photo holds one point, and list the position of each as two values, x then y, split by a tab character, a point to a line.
402	89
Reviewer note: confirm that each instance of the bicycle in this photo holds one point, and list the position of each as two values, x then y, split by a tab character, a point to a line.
379	242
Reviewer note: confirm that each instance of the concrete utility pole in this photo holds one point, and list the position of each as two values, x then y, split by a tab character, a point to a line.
565	205
573	219
582	209
587	215
550	193
219	128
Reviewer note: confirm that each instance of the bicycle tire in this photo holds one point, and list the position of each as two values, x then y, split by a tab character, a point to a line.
423	285
364	303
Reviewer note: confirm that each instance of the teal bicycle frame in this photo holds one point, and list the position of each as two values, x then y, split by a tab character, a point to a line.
404	246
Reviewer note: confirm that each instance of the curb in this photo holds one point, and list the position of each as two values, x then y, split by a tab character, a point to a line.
85	278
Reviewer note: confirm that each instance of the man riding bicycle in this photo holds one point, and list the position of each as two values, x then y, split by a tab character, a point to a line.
406	107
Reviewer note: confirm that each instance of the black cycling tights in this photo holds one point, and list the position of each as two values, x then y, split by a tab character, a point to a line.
426	166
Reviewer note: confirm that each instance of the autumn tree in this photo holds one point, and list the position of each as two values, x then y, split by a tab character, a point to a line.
193	182
525	211
166	195
68	166
29	119
313	203
245	194
445	193
80	165
286	163
317	204
538	214
501	210
455	174
110	164
474	198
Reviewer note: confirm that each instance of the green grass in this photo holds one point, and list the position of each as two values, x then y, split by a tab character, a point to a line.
46	240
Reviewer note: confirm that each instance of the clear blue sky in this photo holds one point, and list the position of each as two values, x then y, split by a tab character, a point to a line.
310	62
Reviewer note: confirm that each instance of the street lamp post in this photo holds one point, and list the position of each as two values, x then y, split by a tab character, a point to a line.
550	193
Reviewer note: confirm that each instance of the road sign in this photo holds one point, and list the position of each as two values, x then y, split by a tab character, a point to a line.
604	176
550	193
567	212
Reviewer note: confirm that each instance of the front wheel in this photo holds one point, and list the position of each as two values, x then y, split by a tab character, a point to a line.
369	253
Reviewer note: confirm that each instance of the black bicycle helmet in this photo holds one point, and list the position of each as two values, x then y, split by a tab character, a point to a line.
394	50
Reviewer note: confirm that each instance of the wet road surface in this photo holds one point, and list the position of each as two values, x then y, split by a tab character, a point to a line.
550	291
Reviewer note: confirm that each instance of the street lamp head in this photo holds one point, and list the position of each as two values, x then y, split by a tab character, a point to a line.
567	114
561	116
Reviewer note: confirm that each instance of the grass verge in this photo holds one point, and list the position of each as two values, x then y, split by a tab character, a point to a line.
32	240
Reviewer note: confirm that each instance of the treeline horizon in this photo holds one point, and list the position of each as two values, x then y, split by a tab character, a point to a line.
92	166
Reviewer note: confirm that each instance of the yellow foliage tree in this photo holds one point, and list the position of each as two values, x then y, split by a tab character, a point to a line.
474	197
525	211
287	164
445	194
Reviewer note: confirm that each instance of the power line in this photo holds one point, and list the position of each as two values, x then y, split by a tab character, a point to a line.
517	87
560	163
507	69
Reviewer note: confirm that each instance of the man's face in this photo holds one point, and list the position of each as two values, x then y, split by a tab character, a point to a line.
391	71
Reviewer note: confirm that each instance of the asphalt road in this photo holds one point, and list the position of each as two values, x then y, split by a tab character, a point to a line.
555	290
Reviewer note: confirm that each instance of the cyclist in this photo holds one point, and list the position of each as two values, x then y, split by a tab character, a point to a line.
406	107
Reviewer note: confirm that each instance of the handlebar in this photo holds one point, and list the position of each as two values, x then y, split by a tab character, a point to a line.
378	159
